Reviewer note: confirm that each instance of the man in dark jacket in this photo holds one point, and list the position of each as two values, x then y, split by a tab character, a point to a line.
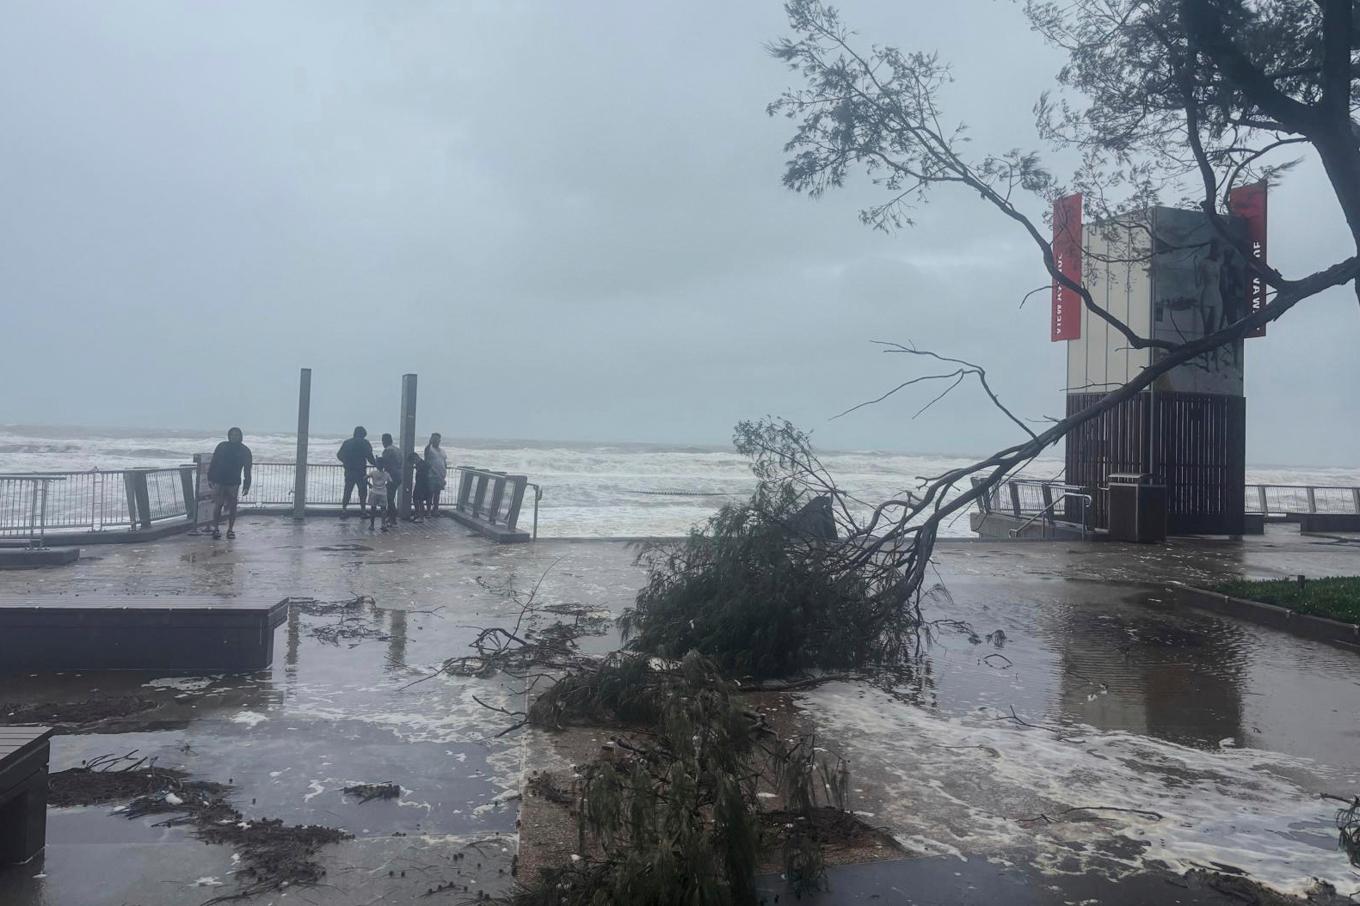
391	464
356	453
229	477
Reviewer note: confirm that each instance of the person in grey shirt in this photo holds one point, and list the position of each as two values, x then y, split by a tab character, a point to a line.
391	462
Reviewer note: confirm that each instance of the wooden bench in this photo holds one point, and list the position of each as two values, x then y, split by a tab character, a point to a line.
23	792
182	634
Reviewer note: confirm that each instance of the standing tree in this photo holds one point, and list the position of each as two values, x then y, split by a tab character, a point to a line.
1184	96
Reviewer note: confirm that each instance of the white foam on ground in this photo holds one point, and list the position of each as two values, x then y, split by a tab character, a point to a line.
182	683
945	784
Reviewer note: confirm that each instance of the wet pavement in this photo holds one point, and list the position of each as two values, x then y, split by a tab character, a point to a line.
1106	732
323	717
1121	700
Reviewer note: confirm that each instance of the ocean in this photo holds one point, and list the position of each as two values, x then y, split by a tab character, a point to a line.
589	490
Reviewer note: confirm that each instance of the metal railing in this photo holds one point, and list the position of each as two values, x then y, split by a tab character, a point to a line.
1046	515
23	500
32	504
35	503
1285	500
492	498
1025	496
272	485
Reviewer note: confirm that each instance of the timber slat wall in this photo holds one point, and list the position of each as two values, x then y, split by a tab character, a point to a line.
1192	442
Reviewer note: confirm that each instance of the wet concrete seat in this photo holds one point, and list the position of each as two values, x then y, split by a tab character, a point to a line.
23	792
179	634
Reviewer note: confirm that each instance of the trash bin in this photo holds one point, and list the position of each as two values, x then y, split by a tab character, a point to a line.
1137	508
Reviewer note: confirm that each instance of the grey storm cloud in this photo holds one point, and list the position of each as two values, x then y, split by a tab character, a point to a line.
566	218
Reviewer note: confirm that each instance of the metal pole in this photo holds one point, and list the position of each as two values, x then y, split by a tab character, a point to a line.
42	518
300	463
408	444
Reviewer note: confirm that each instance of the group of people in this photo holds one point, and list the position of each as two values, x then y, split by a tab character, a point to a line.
377	478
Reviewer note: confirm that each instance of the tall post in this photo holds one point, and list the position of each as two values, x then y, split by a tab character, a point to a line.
408	443
300	463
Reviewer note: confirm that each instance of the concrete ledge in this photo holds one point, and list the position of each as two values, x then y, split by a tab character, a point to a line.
1322	629
110	536
1329	522
497	533
33	557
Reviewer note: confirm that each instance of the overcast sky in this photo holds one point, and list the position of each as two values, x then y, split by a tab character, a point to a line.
567	218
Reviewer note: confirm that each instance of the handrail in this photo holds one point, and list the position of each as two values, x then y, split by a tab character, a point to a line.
1304	487
38	508
1086	500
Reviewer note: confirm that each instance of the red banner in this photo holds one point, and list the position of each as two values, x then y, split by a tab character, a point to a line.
1249	203
1067	256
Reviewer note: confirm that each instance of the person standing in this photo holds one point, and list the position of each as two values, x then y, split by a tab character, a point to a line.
377	495
357	455
420	489
391	462
437	464
228	477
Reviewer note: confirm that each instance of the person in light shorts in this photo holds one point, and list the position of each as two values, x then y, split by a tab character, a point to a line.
229	477
377	495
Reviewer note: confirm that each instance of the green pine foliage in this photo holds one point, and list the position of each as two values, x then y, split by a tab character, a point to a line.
670	822
760	591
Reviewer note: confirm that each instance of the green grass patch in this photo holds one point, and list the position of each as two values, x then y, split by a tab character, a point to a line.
1338	598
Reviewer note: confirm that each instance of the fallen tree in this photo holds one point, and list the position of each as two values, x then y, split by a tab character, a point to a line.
778	584
673	815
1166	97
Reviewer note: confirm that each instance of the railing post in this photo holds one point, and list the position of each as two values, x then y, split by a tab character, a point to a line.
984	500
464	489
130	487
143	496
186	483
1046	492
1265	507
1355	498
1015	498
480	497
1312	499
300	464
34	533
517	483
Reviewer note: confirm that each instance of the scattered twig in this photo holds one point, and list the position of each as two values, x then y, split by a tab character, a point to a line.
1046	819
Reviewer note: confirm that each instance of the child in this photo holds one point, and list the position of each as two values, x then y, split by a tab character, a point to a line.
377	495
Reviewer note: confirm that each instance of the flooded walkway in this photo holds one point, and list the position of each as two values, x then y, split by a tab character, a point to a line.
1221	730
336	709
1105	733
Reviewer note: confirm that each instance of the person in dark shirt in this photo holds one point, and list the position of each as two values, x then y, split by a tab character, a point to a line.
357	454
229	477
420	488
391	464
